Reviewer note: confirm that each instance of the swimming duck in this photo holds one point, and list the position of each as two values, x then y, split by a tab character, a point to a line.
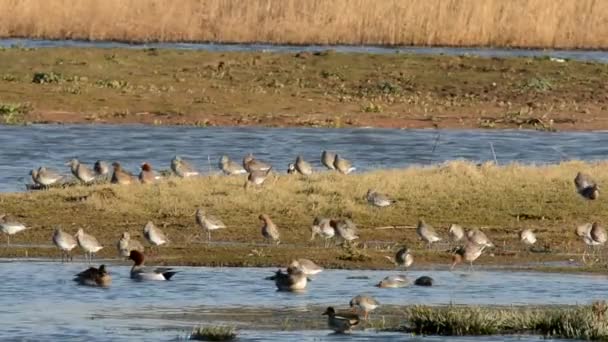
208	222
147	176
341	323
269	229
182	168
98	277
230	167
327	159
65	242
308	267
294	280
427	233
139	272
364	303
424	281
120	176
586	186
88	243
393	281
302	166
81	171
377	199
10	227
342	165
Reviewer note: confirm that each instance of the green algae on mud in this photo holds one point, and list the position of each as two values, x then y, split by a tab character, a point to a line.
499	199
158	86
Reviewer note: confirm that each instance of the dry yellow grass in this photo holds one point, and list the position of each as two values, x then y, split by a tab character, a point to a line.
523	23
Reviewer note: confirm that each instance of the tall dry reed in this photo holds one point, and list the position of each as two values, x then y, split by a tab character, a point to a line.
521	23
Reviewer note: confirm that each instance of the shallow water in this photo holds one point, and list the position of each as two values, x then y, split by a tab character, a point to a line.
582	55
27	147
39	298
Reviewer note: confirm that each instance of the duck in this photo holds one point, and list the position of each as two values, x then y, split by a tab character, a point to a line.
527	236
101	168
10	227
456	232
251	164
364	303
345	229
65	242
182	168
154	235
269	229
478	237
208	222
140	272
323	228
120	176
327	159
427	233
403	258
230	167
45	177
97	277
81	171
341	323
294	280
125	245
88	243
424	281
586	186
291	169
147	176
377	199
342	165
393	281
302	166
468	253
308	267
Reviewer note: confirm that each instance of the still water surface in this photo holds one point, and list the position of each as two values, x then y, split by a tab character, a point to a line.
24	148
39	298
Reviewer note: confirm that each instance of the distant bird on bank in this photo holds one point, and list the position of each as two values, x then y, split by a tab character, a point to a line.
377	199
120	176
586	186
182	168
303	167
10	227
456	233
327	159
342	165
230	167
45	177
101	168
341	323
142	273
208	222
81	171
88	243
256	178
364	303
154	235
323	228
527	236
147	176
467	253
250	164
97	277
345	229
125	245
596	235
65	242
403	258
476	236
427	233
269	229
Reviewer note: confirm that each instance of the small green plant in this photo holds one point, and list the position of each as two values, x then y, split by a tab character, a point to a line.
47	77
538	84
213	333
9	78
350	252
112	84
13	113
372	108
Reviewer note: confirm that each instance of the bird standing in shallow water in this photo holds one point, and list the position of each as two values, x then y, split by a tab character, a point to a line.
125	245
364	303
269	229
341	323
586	186
88	243
294	280
65	242
208	222
10	227
469	253
97	277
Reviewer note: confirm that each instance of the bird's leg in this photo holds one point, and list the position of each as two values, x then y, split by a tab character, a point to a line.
8	240
208	236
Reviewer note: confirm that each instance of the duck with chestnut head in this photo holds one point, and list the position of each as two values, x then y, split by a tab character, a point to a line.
140	272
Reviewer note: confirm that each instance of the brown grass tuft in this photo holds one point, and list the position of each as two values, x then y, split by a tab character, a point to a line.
523	23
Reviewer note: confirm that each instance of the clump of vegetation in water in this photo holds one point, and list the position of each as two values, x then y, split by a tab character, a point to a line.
581	322
213	333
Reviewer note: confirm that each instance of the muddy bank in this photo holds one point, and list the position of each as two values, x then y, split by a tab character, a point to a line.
323	89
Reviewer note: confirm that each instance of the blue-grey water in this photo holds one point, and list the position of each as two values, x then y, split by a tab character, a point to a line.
27	147
39	301
581	55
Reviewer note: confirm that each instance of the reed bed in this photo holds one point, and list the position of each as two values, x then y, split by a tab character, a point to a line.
580	322
213	333
521	23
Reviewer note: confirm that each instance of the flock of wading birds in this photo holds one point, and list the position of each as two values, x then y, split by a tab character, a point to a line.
296	277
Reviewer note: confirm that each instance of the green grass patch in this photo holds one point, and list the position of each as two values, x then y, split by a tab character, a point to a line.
214	333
